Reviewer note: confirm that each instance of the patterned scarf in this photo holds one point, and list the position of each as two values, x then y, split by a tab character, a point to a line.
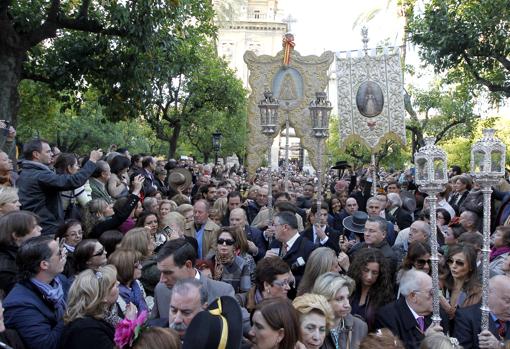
221	261
133	295
54	293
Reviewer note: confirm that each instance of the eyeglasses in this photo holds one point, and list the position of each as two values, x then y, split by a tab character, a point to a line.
421	262
98	253
283	283
228	242
457	262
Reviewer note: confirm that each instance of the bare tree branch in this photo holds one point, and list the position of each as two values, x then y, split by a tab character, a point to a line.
489	84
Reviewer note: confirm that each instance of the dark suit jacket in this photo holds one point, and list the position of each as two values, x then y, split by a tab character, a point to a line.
468	326
401	217
333	238
397	317
301	248
255	235
453	198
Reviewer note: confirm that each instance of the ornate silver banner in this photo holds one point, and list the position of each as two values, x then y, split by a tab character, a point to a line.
370	97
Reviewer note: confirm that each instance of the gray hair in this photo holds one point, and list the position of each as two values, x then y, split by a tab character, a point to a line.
394	199
411	281
184	286
148	202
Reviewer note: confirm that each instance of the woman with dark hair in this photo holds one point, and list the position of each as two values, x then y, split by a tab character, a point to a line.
228	266
273	279
150	221
374	283
500	250
418	257
71	234
336	214
275	325
89	254
118	183
110	239
443	219
15	228
99	216
461	286
461	186
452	236
72	200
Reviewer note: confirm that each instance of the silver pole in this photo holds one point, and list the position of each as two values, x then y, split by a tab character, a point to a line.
486	190
287	152
374	177
270	187
436	317
319	182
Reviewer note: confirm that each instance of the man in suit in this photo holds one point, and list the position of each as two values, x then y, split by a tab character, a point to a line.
374	208
409	316
467	327
322	234
396	214
204	229
176	261
292	247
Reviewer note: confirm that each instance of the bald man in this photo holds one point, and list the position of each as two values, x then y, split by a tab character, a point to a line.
256	241
467	320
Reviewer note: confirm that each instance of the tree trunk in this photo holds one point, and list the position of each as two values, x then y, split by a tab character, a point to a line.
172	142
10	77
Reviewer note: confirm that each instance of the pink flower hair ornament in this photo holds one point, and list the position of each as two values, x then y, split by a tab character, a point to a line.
127	331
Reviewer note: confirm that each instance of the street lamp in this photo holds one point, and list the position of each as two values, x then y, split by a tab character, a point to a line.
268	122
320	109
487	166
432	176
216	142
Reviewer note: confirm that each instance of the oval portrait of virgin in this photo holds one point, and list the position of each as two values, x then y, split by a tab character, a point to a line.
370	99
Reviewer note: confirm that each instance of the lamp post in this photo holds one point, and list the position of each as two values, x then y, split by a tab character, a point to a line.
268	122
487	167
320	110
216	142
432	176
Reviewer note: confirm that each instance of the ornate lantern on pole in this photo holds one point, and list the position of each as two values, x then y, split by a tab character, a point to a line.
432	176
269	122
320	110
487	167
216	142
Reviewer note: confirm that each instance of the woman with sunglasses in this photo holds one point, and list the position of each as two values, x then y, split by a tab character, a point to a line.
129	270
89	254
418	257
228	266
461	285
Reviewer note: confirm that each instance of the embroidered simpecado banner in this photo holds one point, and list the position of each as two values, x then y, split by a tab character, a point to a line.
370	98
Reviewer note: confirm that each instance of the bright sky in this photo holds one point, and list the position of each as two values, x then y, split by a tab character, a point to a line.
328	24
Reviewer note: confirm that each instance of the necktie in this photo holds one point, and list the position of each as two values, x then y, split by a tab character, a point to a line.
502	328
421	323
283	250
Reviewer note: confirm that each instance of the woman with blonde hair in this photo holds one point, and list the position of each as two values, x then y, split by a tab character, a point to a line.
438	340
186	210
321	260
89	320
9	200
140	240
346	331
129	270
315	318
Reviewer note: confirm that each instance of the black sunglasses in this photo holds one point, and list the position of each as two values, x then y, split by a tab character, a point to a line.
98	253
227	242
421	262
457	262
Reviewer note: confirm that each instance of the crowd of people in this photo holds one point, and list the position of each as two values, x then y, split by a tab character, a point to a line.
115	250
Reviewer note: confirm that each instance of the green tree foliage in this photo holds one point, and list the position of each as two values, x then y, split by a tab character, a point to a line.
114	46
79	130
193	87
442	111
468	39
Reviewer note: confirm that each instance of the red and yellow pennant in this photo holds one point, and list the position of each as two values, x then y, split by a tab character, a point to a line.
288	45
